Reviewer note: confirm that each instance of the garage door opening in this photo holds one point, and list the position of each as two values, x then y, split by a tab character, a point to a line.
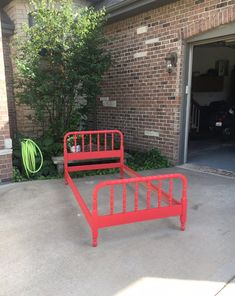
212	109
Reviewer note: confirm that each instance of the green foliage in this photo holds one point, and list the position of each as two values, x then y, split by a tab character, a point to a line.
138	161
94	173
152	159
60	65
49	147
17	176
48	170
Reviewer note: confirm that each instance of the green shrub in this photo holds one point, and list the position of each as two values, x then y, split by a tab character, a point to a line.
17	175
152	159
138	161
60	64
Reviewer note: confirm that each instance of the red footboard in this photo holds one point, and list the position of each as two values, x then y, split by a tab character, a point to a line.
130	200
165	203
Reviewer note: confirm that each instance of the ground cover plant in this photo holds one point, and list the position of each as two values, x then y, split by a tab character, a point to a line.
138	161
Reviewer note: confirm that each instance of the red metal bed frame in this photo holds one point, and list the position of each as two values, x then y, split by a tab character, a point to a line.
106	145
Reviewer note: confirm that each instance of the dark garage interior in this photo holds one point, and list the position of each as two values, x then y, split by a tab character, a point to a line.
212	117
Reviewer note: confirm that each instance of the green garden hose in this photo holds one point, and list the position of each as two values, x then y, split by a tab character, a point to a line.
30	152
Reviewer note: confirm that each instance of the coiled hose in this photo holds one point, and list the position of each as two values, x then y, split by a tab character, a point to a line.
30	152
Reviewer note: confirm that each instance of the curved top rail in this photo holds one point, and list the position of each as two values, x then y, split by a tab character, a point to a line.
141	179
93	133
87	145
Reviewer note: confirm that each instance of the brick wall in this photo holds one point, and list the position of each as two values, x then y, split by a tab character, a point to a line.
148	99
18	11
9	84
5	154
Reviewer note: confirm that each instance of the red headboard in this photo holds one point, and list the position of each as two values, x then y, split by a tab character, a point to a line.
93	145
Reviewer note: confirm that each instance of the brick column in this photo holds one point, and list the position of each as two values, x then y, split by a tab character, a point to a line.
5	141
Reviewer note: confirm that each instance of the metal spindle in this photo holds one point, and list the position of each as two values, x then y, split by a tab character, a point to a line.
75	142
98	142
124	199
83	143
159	193
105	142
112	141
90	143
111	199
136	196
148	194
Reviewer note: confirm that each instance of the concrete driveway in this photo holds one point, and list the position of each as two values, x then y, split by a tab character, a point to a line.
45	244
213	153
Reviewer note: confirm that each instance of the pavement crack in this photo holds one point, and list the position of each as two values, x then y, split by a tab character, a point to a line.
228	282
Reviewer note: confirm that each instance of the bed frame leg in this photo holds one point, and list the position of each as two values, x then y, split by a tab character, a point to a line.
183	216
182	222
95	234
65	179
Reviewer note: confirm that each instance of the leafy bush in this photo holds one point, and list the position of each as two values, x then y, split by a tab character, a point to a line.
17	175
60	65
152	159
138	161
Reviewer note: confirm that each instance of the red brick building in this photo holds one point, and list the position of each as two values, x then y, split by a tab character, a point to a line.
146	102
147	92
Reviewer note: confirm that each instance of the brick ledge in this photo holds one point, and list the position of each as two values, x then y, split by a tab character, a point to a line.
5	151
